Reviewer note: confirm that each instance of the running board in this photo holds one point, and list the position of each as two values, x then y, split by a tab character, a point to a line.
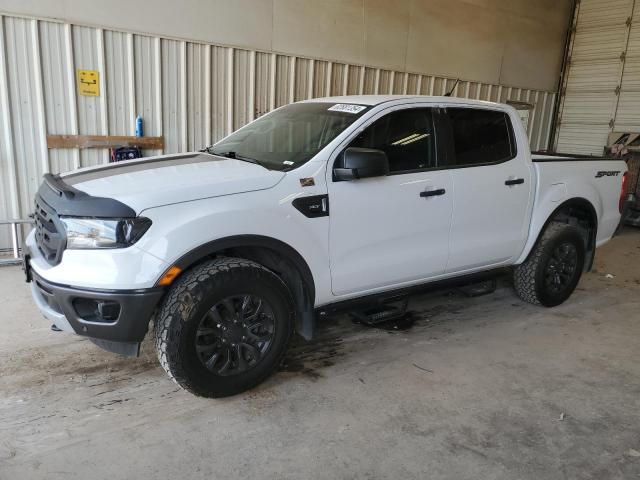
392	309
479	288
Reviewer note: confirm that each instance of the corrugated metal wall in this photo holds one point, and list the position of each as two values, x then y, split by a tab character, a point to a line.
191	93
601	90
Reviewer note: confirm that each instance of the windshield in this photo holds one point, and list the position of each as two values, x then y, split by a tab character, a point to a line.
290	136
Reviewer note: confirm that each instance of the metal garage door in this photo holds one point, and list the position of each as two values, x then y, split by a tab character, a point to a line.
601	90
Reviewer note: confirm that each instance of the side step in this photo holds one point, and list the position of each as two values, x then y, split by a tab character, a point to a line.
479	288
392	309
389	310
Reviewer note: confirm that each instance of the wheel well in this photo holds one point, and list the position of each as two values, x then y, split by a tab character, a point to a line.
579	213
275	255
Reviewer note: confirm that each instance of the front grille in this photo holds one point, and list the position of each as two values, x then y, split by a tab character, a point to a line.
50	236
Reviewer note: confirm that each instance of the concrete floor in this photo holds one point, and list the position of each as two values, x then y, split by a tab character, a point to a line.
477	388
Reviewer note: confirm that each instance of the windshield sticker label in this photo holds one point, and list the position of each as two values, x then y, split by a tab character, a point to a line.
287	162
347	108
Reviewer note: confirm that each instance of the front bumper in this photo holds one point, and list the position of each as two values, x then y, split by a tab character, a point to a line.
69	309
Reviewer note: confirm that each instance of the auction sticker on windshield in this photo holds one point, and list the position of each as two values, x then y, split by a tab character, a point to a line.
347	108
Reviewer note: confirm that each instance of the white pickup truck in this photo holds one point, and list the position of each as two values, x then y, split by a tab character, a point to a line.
316	206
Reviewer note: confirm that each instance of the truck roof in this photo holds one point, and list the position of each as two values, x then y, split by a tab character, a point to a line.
378	99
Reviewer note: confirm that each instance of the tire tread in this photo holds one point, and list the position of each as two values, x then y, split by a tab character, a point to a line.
168	331
524	275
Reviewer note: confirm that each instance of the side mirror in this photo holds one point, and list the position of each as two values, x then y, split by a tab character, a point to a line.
362	163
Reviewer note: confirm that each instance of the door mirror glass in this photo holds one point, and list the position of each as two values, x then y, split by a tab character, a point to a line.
362	163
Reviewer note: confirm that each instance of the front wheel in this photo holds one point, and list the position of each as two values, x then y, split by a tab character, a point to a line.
552	271
224	327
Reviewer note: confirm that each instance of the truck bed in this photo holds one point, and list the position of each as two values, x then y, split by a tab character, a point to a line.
596	179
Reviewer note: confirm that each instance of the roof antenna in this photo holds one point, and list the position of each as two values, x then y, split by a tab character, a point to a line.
448	94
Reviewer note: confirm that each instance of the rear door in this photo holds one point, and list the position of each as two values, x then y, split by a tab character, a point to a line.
391	230
492	183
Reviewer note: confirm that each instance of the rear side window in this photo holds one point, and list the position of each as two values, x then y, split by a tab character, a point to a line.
480	136
406	136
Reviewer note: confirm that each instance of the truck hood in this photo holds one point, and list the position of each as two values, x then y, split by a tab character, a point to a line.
167	179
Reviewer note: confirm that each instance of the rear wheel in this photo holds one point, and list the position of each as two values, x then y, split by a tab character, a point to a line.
224	327
552	271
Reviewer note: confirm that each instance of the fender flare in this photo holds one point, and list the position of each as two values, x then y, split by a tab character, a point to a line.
305	322
239	241
577	202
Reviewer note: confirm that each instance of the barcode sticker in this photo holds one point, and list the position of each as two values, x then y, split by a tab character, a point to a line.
347	108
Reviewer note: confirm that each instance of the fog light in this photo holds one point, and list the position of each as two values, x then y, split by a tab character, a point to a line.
91	310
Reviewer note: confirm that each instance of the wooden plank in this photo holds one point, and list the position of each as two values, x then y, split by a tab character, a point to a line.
104	141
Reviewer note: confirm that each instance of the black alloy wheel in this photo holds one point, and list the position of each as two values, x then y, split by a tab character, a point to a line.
235	334
561	268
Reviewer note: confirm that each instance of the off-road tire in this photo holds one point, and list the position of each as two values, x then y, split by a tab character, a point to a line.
529	277
187	302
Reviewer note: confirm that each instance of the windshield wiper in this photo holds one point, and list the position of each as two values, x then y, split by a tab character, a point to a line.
232	154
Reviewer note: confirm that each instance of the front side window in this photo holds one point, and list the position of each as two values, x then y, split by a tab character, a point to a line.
406	136
480	136
289	136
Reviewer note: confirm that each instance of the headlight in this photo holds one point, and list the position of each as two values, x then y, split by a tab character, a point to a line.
104	233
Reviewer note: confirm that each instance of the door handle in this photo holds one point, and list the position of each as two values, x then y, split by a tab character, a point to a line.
432	193
515	181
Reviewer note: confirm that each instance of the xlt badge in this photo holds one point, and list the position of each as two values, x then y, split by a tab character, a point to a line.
313	206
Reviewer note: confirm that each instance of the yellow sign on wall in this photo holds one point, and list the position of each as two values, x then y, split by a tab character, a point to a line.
89	83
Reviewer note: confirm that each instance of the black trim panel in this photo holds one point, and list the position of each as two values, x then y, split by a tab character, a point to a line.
243	241
136	310
128	349
313	206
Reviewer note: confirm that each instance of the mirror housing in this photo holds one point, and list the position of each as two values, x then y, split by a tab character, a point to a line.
362	163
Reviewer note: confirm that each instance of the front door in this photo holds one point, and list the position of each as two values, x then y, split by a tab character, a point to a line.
391	230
